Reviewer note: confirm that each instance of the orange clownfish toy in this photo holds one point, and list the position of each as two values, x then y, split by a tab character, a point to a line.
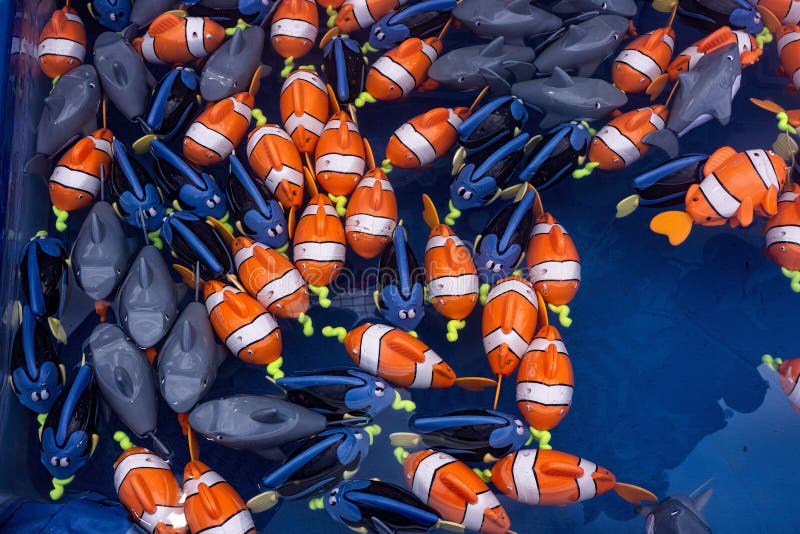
357	15
789	53
628	137
212	505
295	25
450	274
782	231
305	108
276	161
218	130
783	11
77	178
424	138
340	156
319	243
247	328
177	39
371	215
735	187
147	488
62	43
641	66
402	69
545	477
451	488
749	51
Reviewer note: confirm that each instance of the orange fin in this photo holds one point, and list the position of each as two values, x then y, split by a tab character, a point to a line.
291	221
224	233
403	347
377	195
459	487
220	110
656	38
717	159
657	85
229	297
429	214
749	57
320	218
187	275
638	118
209	502
475	383
255	81
719	38
544	319
676	225
745	212
769	19
409	47
562	470
370	156
552	361
165	22
769	105
770	202
557	240
435	117
634	494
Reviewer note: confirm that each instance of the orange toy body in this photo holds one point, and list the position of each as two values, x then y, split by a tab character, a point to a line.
305	108
177	40
247	328
782	231
451	488
553	261
749	51
621	142
294	29
270	278
75	181
425	137
786	11
218	130
340	155
509	323
276	161
545	381
371	215
398	357
402	69
643	60
62	43
789	52
147	488
212	505
788	376
450	274
319	242
550	478
357	15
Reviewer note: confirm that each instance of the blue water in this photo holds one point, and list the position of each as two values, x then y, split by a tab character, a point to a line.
666	342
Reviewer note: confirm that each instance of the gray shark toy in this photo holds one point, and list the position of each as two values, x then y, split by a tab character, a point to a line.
563	98
123	75
496	64
230	69
624	8
70	110
515	20
582	47
189	358
101	252
147	300
255	422
706	91
680	514
144	12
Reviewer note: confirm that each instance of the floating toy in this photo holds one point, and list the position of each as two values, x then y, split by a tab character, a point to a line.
345	68
371	215
234	65
679	513
665	185
295	24
319	244
424	138
112	14
138	199
340	156
193	242
421	20
175	101
491	125
625	8
212	504
641	66
276	161
749	50
399	71
177	39
515	21
556	154
777	12
304	108
788	54
709	16
354	15
400	296
788	377
782	231
62	43
229	12
219	129
43	276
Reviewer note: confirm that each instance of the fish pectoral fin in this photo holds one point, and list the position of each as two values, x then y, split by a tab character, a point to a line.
263	501
401	346
562	469
634	494
656	86
429	214
664	139
450	526
406	440
745	212
475	383
717	159
459	487
676	225
770	202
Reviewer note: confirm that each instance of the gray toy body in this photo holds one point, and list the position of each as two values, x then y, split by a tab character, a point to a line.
101	252
70	110
624	8
582	47
563	98
147	300
189	358
515	20
680	514
706	91
144	12
255	422
123	75
229	70
496	64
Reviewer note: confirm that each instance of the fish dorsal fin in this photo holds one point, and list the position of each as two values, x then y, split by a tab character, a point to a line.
770	202
123	381
796	204
655	39
557	240
745	211
459	487
551	353
560	78
520	7
717	159
120	73
701	500
452	253
262	256
429	214
229	297
562	470
54	103
717	39
145	273
97	229
268	416
638	118
59	20
409	47
165	22
187	336
142	493
237	43
402	346
210	503
434	117
634	494
574	34
220	110
320	216
82	149
495	48
298	106
344	129
377	194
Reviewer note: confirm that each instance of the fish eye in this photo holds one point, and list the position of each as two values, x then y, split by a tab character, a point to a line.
519	427
616	35
209	36
597	105
332	500
402	314
35	396
461	79
412	313
54	461
152	212
92	85
729	58
210	203
216	199
63	462
271	232
605	6
358	435
489	264
279	229
675	512
708	218
477	23
44	394
497	267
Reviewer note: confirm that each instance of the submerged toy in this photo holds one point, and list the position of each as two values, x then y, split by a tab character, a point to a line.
275	160
146	11
229	12
553	263
230	69
557	154
625	8
679	513
749	50
138	199
400	296
294	28
514	20
491	125
421	20
218	130
62	43
304	108
175	100
424	138
256	213
194	241
125	79
212	504
641	66
340	156
371	215
43	275
399	71
177	39
112	14
709	16
345	68
354	15
787	38
782	231
319	243
665	185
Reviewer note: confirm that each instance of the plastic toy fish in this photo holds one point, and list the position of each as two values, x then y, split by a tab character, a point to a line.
175	101
146	11
788	54
679	513
212	504
553	263
556	155
735	187
146	486
563	98
248	329
229	12
314	467
625	8
112	14
642	65
340	155
77	178
515	20
496	64
665	185
62	43
194	241
138	199
545	477
491	125
708	16
294	29
454	491
43	275
354	15
69	433
256	213
190	189
345	68
37	375
423	19
257	423
377	507
424	138
231	68
400	297
371	215
276	161
319	243
304	108
749	50
399	71
218	130
781	236
468	435
125	79
177	39
778	12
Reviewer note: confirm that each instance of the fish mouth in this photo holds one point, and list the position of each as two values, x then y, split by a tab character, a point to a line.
147	327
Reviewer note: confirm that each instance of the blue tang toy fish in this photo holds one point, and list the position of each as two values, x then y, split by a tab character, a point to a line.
556	154
43	273
113	14
400	297
421	20
138	199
